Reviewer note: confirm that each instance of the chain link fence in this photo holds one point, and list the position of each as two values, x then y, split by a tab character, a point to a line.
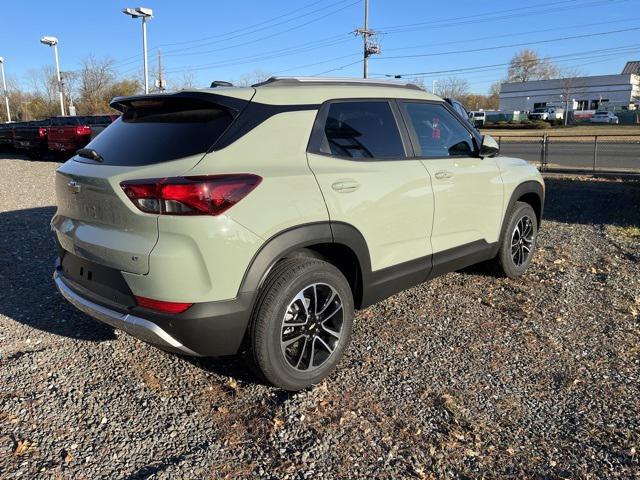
609	153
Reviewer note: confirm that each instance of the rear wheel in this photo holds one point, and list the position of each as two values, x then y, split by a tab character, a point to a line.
302	323
518	240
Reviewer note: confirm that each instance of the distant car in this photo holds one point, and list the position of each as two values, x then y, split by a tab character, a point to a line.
604	117
478	119
460	109
547	114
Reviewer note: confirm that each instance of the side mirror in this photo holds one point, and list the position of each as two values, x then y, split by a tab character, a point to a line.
489	147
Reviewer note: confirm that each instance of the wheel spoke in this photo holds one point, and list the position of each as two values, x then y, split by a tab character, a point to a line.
330	332
329	349
304	348
312	354
291	341
327	303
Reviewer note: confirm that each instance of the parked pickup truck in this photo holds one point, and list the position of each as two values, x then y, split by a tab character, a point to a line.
99	122
31	137
6	135
547	114
68	134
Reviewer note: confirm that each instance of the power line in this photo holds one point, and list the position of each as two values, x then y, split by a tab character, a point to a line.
440	24
497	65
227	35
511	45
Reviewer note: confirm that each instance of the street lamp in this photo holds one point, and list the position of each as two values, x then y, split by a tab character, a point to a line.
53	42
4	89
144	13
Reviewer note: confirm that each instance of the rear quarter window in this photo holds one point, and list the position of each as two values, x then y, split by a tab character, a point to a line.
157	130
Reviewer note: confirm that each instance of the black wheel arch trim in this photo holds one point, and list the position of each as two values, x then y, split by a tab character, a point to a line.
530	186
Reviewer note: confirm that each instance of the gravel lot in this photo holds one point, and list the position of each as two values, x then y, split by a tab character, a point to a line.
469	376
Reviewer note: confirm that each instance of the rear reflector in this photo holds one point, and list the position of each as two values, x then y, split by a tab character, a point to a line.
161	306
202	195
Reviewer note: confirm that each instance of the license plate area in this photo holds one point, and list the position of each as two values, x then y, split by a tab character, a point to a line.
107	284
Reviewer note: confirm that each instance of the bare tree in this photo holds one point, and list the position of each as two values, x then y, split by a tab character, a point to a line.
96	78
452	87
571	80
186	81
527	65
255	76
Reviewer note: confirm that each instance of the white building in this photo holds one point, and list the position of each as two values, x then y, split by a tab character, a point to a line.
580	93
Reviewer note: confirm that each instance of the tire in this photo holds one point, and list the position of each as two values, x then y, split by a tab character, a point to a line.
286	313
514	260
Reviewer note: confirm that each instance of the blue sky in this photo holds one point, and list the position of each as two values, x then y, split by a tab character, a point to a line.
226	40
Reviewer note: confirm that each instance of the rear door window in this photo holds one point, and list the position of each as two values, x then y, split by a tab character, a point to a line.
362	130
438	133
156	130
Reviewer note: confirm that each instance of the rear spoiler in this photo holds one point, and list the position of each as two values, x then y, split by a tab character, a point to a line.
235	105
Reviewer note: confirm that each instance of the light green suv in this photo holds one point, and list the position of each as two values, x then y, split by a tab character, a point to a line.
210	222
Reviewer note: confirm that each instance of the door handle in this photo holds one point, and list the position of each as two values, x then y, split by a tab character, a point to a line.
442	174
345	185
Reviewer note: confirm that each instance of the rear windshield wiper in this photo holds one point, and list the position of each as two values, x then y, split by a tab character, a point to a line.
90	153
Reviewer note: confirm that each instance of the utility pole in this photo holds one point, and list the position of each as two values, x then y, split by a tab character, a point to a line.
160	82
369	47
4	90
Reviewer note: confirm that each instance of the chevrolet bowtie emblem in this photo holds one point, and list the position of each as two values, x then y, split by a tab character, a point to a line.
74	187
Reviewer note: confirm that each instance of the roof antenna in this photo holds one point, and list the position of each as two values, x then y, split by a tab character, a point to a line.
220	83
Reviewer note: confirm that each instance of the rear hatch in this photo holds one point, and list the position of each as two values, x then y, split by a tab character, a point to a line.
156	137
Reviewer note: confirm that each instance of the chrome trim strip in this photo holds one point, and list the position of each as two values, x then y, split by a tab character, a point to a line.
138	327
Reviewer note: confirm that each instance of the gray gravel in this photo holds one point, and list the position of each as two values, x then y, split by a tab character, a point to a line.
469	376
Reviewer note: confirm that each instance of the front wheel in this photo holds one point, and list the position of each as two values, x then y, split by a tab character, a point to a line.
518	240
302	323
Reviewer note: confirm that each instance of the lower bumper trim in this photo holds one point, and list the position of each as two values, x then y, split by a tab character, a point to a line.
138	327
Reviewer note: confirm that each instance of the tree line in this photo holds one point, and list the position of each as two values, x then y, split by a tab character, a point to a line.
91	88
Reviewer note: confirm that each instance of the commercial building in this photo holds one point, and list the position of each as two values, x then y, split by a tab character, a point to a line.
579	94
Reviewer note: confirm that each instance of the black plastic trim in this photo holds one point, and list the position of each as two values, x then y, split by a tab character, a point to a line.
530	186
462	256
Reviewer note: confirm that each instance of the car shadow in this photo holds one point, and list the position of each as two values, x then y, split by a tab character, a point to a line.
27	292
592	202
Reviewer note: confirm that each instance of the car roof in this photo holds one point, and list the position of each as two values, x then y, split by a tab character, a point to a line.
308	91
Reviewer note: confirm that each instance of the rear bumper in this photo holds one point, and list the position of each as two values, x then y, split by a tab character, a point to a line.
205	329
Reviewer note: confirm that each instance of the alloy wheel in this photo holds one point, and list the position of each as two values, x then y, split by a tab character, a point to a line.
312	327
522	241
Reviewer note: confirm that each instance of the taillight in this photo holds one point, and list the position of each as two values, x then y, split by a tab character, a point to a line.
42	132
162	306
202	195
83	130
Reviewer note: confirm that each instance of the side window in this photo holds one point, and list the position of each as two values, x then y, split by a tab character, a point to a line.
438	132
362	130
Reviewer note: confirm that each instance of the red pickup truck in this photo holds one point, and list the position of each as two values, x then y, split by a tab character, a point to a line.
68	134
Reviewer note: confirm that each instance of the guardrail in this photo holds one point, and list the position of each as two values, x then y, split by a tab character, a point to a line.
606	153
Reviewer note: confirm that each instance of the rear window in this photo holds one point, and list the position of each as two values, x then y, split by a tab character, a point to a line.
156	130
362	130
64	121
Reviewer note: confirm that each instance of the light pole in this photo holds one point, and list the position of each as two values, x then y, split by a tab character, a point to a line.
144	13
53	42
4	89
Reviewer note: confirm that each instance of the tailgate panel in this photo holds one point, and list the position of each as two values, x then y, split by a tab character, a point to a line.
94	221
